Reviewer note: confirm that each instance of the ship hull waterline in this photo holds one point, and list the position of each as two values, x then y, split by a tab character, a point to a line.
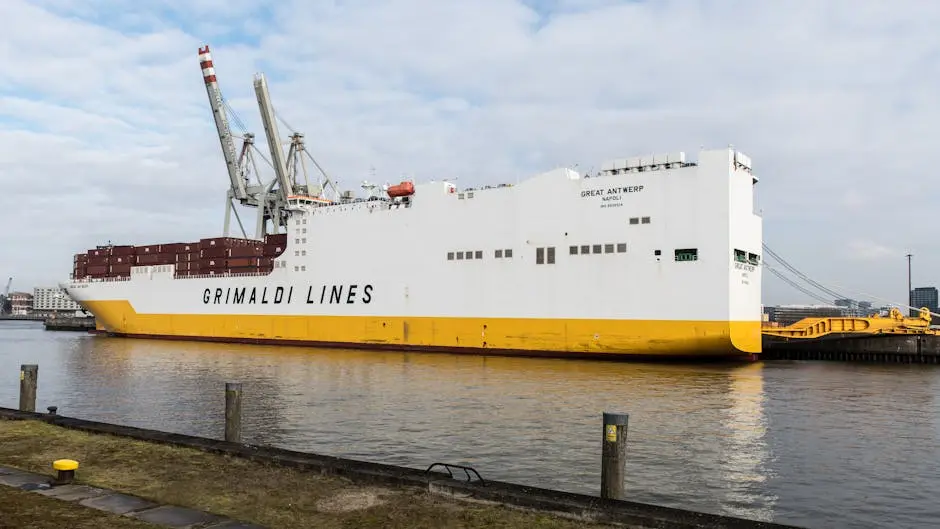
560	338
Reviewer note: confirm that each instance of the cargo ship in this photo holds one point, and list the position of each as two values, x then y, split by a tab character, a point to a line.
651	256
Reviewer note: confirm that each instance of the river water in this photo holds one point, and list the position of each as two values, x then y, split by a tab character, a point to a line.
814	444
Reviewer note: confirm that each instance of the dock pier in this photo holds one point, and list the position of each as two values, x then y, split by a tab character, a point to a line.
70	323
879	348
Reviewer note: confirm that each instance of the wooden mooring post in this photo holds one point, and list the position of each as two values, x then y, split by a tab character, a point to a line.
614	455
29	375
233	412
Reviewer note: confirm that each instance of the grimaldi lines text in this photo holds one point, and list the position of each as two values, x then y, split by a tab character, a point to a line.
651	256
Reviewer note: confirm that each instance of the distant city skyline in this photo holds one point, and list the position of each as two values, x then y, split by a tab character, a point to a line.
112	138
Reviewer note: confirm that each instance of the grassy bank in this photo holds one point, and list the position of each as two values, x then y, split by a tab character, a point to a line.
267	495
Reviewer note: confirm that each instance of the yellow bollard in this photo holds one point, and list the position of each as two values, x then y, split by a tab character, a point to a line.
65	471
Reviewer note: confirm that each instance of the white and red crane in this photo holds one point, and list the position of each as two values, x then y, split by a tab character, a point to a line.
271	198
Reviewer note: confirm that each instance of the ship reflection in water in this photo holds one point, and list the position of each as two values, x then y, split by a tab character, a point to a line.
733	439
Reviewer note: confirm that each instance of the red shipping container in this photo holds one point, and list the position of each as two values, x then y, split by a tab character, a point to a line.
149	249
122	259
275	238
266	261
223	242
98	269
243	262
252	250
178	247
121	269
99	260
212	263
214	252
98	252
155	259
123	250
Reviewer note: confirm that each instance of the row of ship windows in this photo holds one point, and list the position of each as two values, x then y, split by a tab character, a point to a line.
746	257
546	255
478	254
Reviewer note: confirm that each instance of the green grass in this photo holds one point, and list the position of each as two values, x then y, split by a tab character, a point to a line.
272	496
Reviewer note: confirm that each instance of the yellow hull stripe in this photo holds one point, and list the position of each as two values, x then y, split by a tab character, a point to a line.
614	337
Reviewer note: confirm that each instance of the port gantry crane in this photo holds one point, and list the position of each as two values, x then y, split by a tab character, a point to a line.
271	198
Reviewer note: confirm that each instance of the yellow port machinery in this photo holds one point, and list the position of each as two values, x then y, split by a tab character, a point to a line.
894	323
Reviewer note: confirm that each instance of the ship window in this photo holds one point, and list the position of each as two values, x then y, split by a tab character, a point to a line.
296	269
469	254
297	241
585	249
303	252
498	254
478	254
740	255
459	256
621	247
687	254
298	222
304	240
540	256
303	268
470	195
753	258
657	252
550	255
572	250
596	248
450	256
296	253
304	230
507	253
608	248
634	220
460	196
305	221
645	220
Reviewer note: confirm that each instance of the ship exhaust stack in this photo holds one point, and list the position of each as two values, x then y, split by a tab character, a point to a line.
221	124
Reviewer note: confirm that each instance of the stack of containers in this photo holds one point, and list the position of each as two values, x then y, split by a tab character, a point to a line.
215	256
215	253
80	266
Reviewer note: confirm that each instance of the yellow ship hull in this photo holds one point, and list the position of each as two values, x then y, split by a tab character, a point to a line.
532	337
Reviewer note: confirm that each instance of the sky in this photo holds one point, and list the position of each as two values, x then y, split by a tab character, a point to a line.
106	132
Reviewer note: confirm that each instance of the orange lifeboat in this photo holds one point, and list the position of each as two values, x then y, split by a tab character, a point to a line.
403	189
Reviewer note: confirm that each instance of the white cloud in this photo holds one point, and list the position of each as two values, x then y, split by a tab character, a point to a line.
834	101
868	250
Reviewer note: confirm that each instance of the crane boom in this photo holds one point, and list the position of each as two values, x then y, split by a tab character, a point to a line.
6	291
274	139
221	124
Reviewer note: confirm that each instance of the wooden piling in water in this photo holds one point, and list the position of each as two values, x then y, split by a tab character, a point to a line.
233	412
29	375
614	455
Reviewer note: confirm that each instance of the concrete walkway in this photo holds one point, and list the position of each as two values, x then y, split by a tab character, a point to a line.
123	504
